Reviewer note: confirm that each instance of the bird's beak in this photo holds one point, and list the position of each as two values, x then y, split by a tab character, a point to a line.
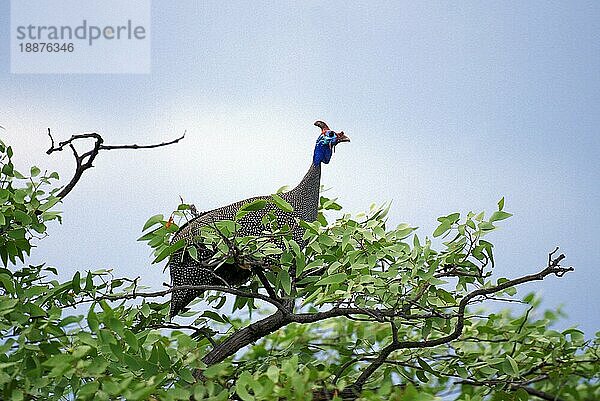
341	137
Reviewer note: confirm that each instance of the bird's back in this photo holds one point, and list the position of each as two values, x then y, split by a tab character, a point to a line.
304	200
187	271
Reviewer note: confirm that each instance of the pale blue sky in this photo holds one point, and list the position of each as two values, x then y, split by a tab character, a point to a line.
449	108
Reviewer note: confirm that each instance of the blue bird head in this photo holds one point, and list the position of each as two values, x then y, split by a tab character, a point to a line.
326	143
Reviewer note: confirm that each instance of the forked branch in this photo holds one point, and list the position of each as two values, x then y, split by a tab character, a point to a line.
85	160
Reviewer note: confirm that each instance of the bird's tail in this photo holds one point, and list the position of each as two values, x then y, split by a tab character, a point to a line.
184	275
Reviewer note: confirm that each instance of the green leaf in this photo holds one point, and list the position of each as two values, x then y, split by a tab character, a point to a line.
36	311
329	204
35	171
193	252
186	375
7	304
157	218
421	376
168	251
442	228
23	218
89	281
425	366
253	206
244	381
501	204
435	281
521	395
333	279
115	325
446	296
76	282
7	169
163	357
513	365
462	372
46	216
132	362
51	202
486	226
143	394
92	320
282	203
499	215
286	283
131	340
451	218
273	373
577	336
326	240
88	389
214	316
145	310
81	351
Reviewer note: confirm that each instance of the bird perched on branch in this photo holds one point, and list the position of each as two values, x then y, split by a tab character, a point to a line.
304	199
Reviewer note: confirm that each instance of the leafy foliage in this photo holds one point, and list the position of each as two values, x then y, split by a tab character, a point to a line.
363	310
24	207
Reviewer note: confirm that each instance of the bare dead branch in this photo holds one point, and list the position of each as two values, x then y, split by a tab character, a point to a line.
85	160
135	146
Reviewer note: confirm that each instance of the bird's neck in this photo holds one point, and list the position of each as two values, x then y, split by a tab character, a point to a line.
305	197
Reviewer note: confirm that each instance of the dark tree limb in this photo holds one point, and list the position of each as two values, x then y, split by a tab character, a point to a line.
265	282
85	160
246	336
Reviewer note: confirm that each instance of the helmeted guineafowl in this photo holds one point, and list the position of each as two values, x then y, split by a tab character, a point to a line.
304	198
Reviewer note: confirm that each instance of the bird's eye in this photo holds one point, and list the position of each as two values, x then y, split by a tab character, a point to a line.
330	134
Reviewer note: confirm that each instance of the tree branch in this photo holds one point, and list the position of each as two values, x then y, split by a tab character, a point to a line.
85	160
265	282
221	288
552	268
246	336
515	386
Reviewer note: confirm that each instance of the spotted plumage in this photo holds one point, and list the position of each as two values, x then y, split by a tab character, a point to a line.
304	199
